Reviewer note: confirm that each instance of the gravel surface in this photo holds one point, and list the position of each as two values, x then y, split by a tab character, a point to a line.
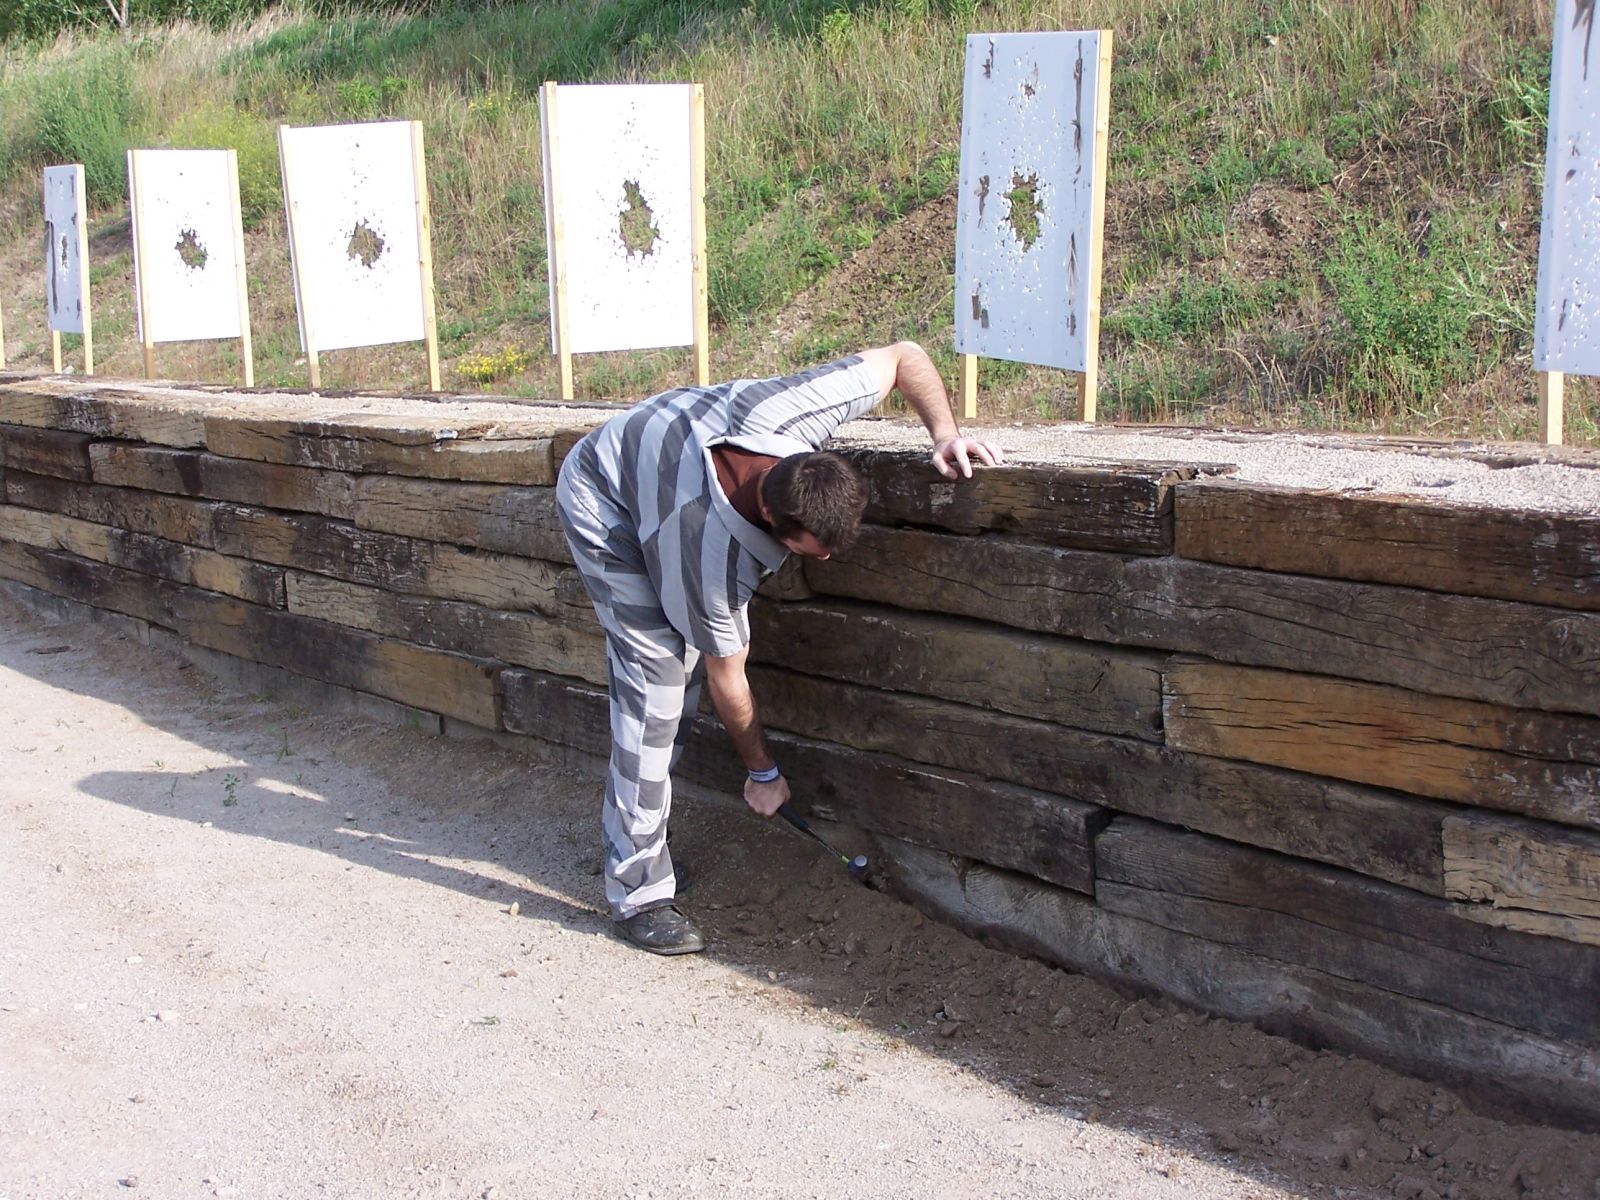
1503	475
254	951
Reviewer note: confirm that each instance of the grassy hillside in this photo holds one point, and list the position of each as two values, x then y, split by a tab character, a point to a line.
1319	215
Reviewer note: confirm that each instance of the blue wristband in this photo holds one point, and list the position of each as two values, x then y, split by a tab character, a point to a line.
766	776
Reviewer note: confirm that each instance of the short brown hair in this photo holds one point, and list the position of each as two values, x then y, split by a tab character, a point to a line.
816	492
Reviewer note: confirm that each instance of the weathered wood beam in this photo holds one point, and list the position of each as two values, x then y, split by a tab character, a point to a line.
105	412
1086	685
1046	836
1521	655
1535	557
251	581
1377	833
45	451
195	473
501	517
1539	764
1126	510
382	445
452	684
1346	925
574	646
1525	875
314	543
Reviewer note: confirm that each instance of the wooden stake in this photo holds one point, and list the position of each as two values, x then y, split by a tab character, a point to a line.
83	263
55	351
301	292
141	266
430	324
969	386
1552	397
557	249
697	222
1089	383
246	345
2	336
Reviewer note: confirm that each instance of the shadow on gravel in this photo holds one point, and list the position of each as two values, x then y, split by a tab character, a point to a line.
457	813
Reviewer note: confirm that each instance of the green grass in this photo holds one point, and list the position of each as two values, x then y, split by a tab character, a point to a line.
1316	213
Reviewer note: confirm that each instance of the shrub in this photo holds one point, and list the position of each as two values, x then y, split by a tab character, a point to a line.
217	128
1408	316
86	113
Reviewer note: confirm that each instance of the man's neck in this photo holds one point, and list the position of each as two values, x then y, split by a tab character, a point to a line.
742	476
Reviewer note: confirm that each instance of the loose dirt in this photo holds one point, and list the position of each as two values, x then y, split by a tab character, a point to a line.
255	951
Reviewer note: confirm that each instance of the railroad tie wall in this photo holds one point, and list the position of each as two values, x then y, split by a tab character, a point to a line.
1323	761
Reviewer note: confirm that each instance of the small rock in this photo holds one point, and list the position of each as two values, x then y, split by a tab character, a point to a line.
772	976
349	816
954	1011
1226	1141
226	1192
949	1029
129	1181
1128	1019
167	1016
509	973
1104	1093
491	1193
133	958
514	908
1387	1097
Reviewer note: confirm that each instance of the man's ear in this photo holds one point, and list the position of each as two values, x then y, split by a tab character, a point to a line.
762	506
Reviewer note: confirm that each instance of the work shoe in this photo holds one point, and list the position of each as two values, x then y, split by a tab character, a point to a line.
662	930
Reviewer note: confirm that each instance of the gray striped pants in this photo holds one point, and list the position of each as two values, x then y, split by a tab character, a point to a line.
655	680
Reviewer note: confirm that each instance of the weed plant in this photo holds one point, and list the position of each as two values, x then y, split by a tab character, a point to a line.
1317	214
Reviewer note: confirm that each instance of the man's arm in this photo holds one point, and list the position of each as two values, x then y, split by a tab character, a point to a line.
906	366
736	705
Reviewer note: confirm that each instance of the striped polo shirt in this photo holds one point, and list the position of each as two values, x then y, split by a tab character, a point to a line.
654	462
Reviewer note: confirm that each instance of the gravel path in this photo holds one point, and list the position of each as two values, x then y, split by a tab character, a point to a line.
258	952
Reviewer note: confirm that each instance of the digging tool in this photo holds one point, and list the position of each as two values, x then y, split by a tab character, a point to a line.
857	866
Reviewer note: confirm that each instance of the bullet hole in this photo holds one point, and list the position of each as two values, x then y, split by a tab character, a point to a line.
1030	85
988	63
1025	209
365	245
980	314
190	250
983	195
636	226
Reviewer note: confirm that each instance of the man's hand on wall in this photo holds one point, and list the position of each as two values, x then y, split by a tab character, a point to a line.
953	456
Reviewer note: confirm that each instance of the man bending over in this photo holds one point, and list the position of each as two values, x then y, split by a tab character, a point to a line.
676	510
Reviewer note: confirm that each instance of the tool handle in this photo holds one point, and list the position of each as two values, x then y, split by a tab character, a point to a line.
794	818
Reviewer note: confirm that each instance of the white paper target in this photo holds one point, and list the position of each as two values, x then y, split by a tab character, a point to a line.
66	279
625	192
185	217
1566	328
1024	218
354	244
